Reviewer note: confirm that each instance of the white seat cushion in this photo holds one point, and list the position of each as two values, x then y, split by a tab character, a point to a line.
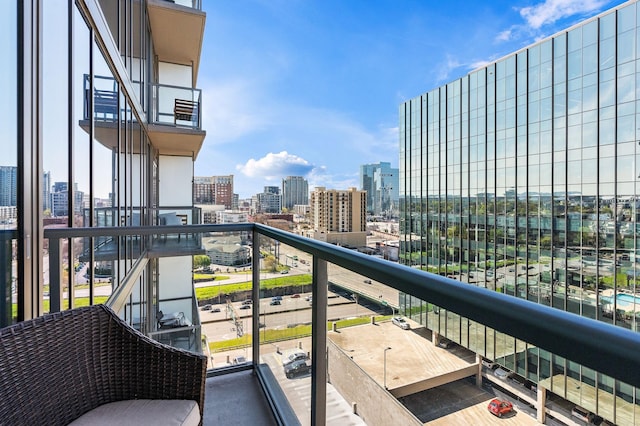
143	412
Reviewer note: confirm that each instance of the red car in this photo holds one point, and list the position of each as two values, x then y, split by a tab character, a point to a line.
499	407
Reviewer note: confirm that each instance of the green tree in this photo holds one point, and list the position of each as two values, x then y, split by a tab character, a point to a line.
270	263
201	261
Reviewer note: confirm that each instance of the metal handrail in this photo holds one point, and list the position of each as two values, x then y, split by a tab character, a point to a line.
606	348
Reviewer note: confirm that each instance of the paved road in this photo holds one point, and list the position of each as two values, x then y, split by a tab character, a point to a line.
218	325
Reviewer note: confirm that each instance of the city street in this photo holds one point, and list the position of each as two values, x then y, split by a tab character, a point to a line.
293	311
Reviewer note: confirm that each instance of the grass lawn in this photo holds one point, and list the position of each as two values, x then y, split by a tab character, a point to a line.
211	277
210	292
269	336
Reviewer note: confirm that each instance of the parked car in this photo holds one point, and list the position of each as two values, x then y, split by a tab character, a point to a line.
245	307
445	343
276	298
275	302
499	407
300	366
400	322
215	310
582	414
241	359
284	271
488	364
501	373
295	296
207	307
247	302
296	355
367	281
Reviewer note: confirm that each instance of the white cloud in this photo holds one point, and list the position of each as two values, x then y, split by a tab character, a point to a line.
479	64
551	11
445	68
504	35
276	166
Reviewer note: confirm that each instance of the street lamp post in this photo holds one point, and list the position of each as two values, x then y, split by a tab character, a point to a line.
385	366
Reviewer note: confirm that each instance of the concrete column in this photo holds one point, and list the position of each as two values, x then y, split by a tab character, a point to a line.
542	400
479	373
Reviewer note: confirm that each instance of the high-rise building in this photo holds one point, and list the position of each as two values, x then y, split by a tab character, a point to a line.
269	201
382	186
522	177
59	199
339	216
295	190
8	186
122	156
203	190
46	191
213	190
223	190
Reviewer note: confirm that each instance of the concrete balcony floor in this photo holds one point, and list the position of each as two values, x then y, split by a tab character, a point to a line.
236	399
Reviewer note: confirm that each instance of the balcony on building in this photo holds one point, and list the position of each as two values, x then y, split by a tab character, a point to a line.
175	118
511	328
183	44
167	241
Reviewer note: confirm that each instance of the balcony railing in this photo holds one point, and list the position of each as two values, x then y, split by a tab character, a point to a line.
177	106
171	105
194	4
604	348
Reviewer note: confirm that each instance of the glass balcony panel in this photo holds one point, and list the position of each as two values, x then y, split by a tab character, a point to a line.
178	328
195	4
222	276
358	345
285	321
9	268
176	106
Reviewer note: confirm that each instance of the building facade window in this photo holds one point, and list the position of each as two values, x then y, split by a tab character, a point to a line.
522	177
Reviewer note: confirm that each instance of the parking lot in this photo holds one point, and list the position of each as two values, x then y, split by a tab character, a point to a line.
414	360
463	403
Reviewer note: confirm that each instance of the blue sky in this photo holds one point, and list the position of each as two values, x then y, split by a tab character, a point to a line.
312	88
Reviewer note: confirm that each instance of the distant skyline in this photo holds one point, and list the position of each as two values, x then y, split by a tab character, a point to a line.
312	89
309	88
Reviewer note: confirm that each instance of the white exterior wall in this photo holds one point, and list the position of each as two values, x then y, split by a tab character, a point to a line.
175	281
176	177
174	74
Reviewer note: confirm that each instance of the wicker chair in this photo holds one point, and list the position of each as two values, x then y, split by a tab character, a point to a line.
57	367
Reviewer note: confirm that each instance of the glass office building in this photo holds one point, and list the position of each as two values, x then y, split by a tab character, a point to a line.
523	177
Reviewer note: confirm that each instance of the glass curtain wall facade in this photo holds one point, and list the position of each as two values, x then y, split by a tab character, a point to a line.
522	177
79	97
9	162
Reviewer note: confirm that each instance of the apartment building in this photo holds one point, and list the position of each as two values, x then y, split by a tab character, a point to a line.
339	216
268	201
118	121
214	190
522	177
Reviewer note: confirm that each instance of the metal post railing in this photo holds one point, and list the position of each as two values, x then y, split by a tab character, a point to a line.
319	342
